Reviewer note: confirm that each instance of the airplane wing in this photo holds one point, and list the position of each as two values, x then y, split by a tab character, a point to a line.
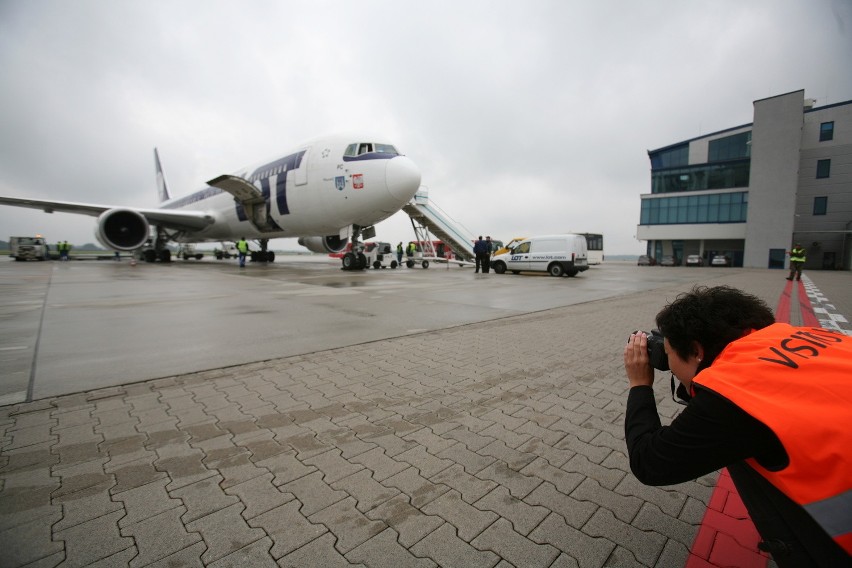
180	220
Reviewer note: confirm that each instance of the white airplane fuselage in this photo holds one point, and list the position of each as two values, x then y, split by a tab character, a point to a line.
313	191
324	191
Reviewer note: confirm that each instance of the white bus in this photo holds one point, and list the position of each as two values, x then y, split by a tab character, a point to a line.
594	244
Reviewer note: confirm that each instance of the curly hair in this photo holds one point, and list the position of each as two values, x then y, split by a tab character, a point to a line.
713	317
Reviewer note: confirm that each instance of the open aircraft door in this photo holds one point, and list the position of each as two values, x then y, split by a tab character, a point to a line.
301	174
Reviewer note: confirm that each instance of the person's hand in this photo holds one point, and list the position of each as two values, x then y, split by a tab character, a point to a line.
636	364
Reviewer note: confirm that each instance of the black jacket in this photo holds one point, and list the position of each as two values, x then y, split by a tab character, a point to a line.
712	433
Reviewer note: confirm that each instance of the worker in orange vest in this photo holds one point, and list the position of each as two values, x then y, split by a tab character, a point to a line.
771	402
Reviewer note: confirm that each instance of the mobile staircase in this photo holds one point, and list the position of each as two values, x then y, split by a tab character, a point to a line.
426	217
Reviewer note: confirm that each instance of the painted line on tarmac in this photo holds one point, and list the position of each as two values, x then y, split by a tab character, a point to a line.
824	311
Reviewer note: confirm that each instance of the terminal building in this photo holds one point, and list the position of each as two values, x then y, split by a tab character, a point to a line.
751	192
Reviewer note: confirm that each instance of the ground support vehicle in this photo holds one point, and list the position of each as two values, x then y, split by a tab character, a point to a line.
555	254
227	251
28	248
454	243
188	251
503	249
380	255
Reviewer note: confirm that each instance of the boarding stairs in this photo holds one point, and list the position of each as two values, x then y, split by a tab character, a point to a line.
426	217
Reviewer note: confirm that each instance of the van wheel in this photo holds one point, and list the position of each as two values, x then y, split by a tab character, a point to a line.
500	267
555	269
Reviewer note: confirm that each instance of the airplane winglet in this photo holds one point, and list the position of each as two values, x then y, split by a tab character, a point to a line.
162	186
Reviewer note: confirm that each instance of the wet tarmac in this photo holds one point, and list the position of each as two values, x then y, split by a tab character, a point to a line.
69	326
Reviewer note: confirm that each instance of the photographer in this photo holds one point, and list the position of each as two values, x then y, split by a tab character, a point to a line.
771	402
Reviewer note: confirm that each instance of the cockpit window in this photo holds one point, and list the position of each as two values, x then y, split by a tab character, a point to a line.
386	149
360	148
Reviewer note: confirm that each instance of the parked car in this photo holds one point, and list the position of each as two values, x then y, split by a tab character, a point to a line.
669	260
694	260
646	260
720	260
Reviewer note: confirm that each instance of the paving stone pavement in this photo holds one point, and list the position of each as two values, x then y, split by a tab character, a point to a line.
491	444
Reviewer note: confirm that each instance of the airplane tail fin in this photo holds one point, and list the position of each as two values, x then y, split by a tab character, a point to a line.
162	186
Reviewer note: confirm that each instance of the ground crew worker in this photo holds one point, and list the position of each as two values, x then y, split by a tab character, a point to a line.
409	252
797	260
486	256
59	249
399	253
769	401
64	249
242	249
478	253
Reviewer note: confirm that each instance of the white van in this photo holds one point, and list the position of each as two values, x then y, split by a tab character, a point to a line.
555	254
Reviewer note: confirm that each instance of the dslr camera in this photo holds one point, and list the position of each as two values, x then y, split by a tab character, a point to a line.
656	350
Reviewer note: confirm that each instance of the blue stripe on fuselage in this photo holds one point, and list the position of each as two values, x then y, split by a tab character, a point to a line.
277	168
370	156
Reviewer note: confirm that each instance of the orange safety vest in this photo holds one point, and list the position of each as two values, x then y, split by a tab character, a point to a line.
798	382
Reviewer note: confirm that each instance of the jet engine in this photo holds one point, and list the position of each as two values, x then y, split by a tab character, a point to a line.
122	229
332	243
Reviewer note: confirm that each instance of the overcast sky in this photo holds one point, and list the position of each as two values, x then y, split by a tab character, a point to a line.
524	117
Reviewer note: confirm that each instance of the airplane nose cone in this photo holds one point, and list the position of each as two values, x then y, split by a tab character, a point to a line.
403	178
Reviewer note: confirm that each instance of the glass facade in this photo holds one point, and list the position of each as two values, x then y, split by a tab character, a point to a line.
734	147
826	131
713	208
823	168
719	175
820	205
670	157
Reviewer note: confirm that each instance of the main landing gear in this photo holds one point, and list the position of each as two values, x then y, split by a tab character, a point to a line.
263	255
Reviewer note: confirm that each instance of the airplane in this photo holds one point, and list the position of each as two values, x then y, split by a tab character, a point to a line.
329	192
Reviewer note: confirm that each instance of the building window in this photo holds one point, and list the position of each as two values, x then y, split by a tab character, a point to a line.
688	209
733	147
823	168
670	158
719	175
820	205
826	131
